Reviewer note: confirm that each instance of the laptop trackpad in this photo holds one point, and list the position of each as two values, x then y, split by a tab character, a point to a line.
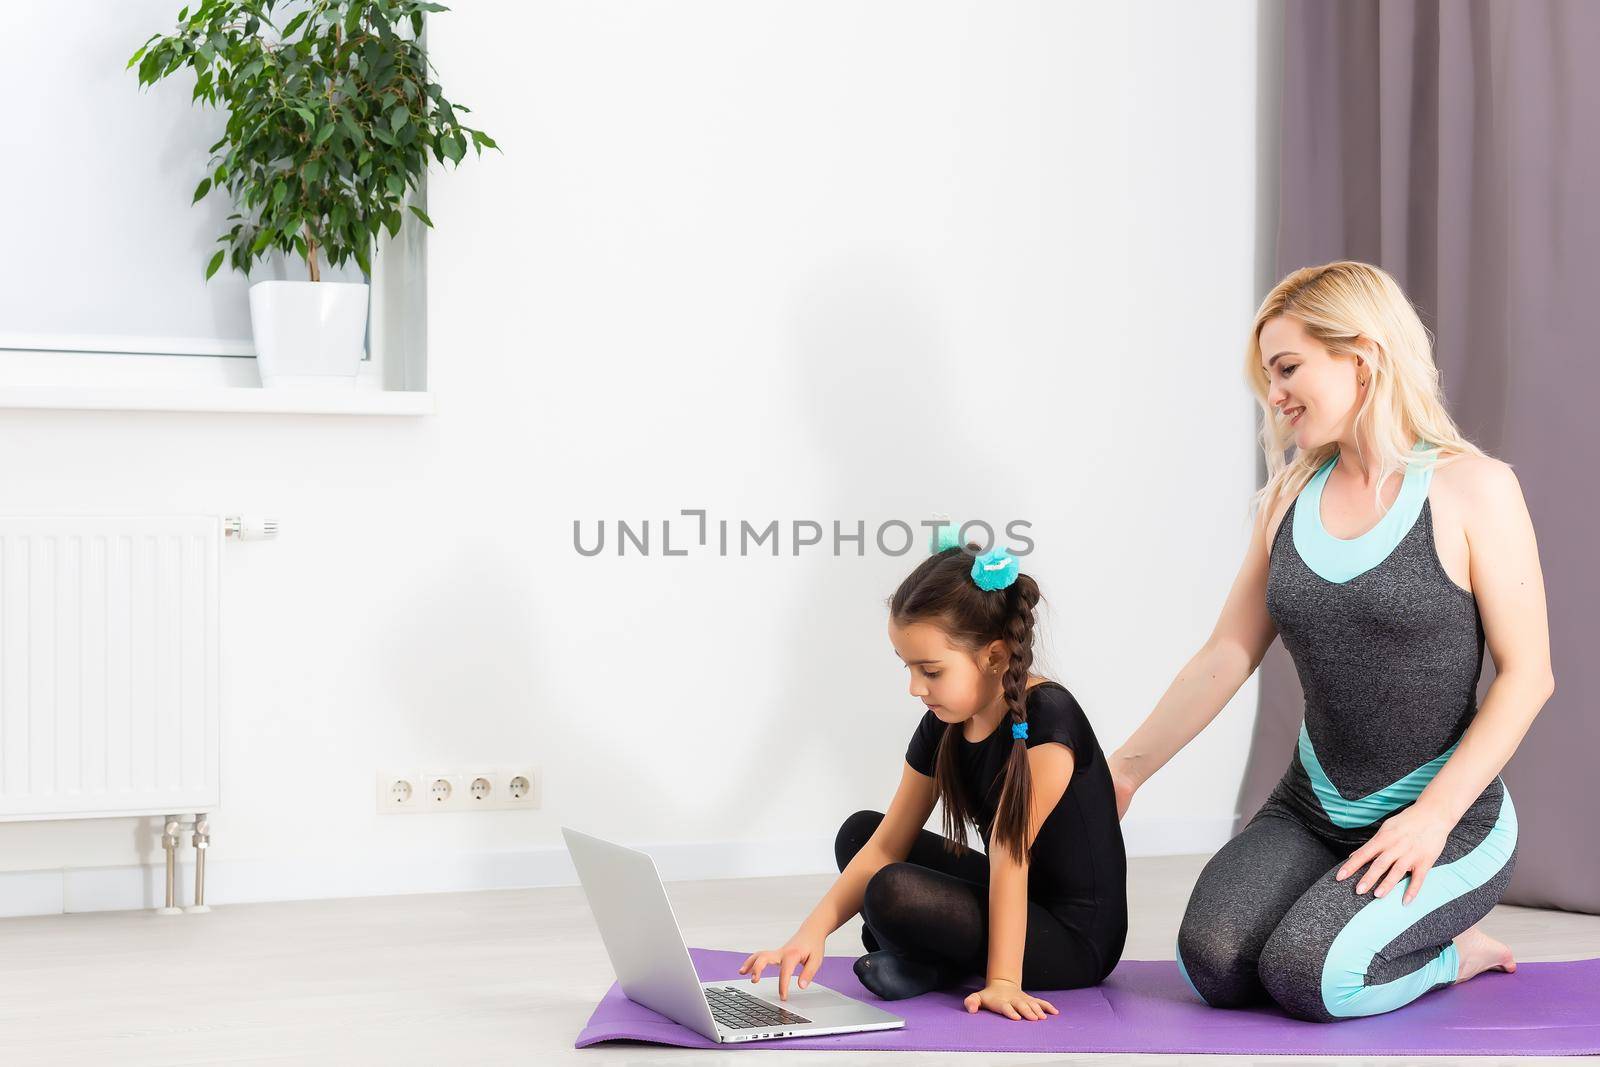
809	1002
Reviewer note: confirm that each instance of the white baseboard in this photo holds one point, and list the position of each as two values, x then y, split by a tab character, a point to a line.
138	886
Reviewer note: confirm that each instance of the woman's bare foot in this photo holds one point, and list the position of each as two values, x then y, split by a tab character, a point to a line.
1479	952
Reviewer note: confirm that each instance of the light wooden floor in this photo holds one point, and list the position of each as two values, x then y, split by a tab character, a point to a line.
497	977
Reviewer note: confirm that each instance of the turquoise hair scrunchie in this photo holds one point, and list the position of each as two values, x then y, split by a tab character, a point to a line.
995	569
948	535
1019	731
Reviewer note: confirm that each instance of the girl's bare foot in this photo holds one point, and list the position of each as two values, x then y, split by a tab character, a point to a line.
1479	952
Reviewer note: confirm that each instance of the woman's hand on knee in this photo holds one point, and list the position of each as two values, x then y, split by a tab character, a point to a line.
1407	843
1008	999
804	950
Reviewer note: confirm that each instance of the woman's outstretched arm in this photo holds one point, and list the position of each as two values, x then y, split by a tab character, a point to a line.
1208	681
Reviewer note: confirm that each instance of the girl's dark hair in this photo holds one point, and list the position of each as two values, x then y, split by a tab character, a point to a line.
941	591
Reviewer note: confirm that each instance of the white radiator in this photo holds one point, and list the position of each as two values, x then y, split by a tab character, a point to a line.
109	666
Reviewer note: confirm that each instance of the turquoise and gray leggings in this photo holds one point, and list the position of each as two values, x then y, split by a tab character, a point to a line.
1266	918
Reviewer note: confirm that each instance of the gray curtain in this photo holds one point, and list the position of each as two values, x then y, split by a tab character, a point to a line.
1456	143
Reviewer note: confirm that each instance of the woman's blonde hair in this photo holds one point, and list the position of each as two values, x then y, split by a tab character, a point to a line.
1356	309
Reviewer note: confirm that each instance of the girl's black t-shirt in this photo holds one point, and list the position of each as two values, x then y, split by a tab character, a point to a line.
1078	860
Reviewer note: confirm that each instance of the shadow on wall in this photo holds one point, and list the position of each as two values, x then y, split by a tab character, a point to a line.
884	429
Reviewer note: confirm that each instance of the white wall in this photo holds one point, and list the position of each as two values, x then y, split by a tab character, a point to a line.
98	178
778	261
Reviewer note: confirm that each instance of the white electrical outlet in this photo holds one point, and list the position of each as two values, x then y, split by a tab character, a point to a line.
443	791
479	789
482	790
399	792
521	788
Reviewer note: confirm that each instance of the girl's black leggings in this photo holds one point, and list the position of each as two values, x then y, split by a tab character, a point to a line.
934	906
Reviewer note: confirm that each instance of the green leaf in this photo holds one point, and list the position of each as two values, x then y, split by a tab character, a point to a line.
140	53
324	128
216	261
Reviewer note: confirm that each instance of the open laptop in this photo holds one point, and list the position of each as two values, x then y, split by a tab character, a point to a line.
646	947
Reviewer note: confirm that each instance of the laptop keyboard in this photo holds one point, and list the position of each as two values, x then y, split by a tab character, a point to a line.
740	1011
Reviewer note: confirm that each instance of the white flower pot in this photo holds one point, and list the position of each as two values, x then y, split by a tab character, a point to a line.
308	333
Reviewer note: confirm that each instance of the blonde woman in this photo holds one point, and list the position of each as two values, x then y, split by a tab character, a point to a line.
1383	552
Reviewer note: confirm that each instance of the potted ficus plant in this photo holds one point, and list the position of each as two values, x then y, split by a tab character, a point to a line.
332	116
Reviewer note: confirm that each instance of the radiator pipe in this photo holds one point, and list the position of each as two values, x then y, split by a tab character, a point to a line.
202	841
169	842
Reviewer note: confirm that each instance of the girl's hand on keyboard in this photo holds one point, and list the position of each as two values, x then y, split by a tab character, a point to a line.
805	949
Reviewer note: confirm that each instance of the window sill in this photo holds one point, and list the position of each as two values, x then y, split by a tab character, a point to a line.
304	401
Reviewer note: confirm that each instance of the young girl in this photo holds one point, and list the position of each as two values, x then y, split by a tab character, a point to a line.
1009	751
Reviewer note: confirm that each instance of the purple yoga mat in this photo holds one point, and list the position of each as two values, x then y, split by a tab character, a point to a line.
1544	1009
